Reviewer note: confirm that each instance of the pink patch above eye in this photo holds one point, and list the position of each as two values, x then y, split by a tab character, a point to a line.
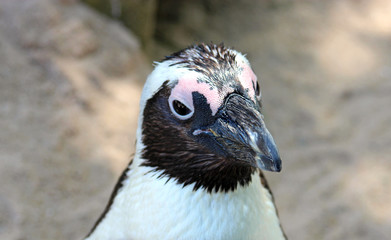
189	84
186	86
248	79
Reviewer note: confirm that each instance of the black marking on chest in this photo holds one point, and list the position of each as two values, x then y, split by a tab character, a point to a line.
170	148
265	184
117	188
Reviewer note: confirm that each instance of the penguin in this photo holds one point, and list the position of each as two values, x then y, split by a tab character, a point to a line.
201	147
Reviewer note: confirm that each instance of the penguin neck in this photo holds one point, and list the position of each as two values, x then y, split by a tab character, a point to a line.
151	207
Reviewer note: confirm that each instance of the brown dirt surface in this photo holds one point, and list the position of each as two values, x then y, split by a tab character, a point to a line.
70	82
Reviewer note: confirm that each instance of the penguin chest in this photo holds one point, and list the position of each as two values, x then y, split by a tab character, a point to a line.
152	208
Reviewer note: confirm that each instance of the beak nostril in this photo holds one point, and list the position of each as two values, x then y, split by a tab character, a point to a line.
213	132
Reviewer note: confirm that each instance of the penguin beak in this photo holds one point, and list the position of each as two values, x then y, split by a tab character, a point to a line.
241	133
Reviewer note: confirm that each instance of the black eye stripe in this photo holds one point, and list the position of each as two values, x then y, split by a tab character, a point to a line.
257	92
180	108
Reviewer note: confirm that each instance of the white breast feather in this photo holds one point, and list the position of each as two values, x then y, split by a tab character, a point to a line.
151	208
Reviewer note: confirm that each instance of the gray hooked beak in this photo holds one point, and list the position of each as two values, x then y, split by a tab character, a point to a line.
241	133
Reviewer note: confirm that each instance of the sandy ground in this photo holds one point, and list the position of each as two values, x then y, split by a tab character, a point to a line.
70	81
69	87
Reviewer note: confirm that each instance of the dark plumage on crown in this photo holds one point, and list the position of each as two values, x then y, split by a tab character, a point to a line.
216	63
205	58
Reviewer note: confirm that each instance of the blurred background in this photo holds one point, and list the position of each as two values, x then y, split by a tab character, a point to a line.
71	73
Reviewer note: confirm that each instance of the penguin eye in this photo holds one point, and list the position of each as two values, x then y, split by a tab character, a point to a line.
180	110
257	90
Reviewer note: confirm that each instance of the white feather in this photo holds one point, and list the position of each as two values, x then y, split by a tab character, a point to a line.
151	208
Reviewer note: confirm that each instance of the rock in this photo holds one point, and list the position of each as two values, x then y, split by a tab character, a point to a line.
140	16
70	82
73	38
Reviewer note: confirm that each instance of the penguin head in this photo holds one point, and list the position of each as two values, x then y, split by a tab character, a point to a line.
201	120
